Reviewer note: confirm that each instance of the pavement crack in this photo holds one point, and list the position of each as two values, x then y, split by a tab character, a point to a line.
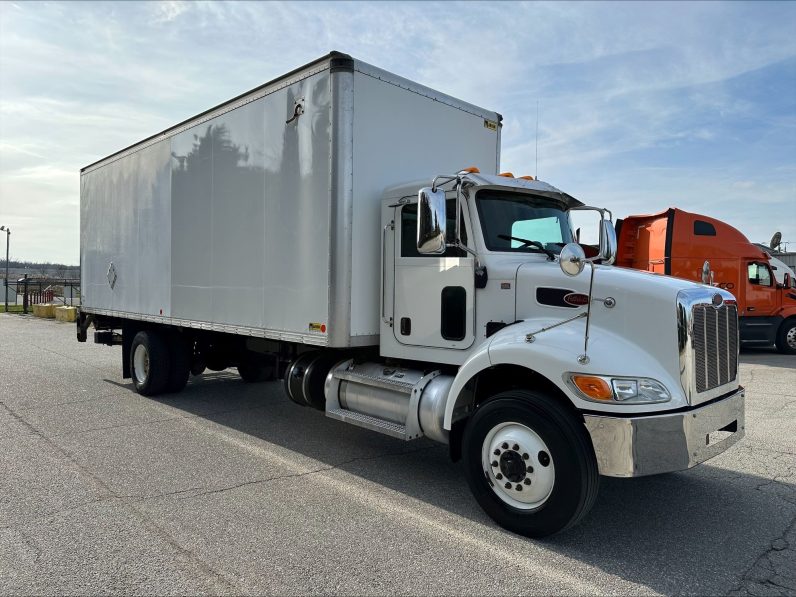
65	356
315	471
105	492
767	573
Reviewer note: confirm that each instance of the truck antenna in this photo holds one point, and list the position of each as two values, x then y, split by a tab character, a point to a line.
536	169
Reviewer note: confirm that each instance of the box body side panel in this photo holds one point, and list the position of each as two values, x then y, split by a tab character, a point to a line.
240	222
125	220
250	241
399	136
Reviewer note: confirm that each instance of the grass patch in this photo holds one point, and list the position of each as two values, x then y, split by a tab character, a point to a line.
12	308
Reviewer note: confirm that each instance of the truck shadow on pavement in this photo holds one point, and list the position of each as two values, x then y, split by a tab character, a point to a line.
697	531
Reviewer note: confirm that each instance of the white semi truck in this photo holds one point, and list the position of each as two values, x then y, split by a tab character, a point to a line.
321	229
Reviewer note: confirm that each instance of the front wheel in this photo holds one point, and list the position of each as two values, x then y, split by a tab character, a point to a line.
530	463
786	337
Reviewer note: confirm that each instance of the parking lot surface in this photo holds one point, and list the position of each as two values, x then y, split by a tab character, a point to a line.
229	488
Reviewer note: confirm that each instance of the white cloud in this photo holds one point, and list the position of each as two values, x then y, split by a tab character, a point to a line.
639	108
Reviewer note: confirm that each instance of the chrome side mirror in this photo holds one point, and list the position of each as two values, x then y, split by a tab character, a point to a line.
431	222
572	259
608	245
706	274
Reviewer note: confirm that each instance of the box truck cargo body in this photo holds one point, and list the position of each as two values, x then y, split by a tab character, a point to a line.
346	231
256	217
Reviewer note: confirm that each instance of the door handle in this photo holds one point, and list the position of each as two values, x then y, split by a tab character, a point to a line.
750	308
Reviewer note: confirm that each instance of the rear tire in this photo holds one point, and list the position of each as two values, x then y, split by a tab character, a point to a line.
786	337
149	363
255	369
180	363
530	463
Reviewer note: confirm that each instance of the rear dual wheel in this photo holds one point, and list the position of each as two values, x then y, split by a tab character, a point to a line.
159	362
530	463
256	368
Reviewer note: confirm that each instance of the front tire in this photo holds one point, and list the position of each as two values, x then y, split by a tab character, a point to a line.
786	337
530	463
149	363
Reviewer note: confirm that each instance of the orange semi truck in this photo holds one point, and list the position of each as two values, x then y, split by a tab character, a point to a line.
678	243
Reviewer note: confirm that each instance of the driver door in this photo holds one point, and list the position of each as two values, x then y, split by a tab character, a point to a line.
434	295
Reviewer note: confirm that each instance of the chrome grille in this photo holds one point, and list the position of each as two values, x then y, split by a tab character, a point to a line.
715	343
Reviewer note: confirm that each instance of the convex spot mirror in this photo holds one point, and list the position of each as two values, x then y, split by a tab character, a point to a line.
431	221
572	259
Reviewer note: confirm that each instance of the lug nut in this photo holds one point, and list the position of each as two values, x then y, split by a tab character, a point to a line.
525	456
519	487
496	452
515	447
529	469
507	486
498	476
505	446
527	481
494	463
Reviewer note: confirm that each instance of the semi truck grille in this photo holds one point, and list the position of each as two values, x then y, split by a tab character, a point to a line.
715	344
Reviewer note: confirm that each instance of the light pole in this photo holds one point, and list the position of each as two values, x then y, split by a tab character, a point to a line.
8	237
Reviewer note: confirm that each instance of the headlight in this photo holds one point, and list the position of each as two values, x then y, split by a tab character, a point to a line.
625	390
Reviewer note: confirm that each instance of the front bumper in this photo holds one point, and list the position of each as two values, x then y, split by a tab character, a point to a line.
652	444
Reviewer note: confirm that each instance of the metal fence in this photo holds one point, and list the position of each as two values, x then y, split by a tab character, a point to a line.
42	290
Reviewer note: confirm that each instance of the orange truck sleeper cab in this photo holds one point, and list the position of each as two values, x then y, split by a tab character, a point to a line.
677	243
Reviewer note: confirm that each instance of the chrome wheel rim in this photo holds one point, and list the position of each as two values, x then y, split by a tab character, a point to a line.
518	465
141	364
790	337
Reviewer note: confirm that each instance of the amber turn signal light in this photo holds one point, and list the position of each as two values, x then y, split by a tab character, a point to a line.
595	388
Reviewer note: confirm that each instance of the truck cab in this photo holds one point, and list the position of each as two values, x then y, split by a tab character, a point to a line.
540	367
441	306
678	243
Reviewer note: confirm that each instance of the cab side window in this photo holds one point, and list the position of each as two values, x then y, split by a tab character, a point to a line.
409	231
759	274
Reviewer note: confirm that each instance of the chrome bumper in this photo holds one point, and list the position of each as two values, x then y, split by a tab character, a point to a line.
652	444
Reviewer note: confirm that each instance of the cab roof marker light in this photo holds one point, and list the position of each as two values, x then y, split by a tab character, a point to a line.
506	174
527	177
471	170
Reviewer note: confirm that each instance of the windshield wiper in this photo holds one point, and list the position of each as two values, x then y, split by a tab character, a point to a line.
530	243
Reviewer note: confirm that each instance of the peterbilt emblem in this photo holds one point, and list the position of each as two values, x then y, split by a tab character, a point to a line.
717	300
577	299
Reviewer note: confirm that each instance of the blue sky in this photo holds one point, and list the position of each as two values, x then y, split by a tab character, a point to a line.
642	105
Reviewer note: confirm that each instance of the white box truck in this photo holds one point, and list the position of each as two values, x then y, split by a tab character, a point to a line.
347	230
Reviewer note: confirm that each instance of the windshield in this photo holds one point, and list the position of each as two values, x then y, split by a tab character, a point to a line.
524	217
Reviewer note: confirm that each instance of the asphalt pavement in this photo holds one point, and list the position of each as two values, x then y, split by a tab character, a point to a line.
229	488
